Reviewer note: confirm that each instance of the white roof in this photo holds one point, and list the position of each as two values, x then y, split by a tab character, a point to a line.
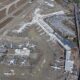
22	52
69	66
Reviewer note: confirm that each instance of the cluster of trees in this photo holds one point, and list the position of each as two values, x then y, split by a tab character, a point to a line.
76	1
71	1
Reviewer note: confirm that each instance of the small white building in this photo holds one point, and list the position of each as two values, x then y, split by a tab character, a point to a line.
69	66
22	52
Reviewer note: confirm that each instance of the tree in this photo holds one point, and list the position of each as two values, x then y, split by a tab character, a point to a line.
77	1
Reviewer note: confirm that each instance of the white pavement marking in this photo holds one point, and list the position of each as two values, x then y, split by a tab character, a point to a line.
23	26
40	30
42	33
44	61
54	13
49	4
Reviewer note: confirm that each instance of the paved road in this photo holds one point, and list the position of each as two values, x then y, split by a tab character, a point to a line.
29	8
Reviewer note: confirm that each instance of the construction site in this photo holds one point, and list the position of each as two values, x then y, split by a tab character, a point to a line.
38	40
